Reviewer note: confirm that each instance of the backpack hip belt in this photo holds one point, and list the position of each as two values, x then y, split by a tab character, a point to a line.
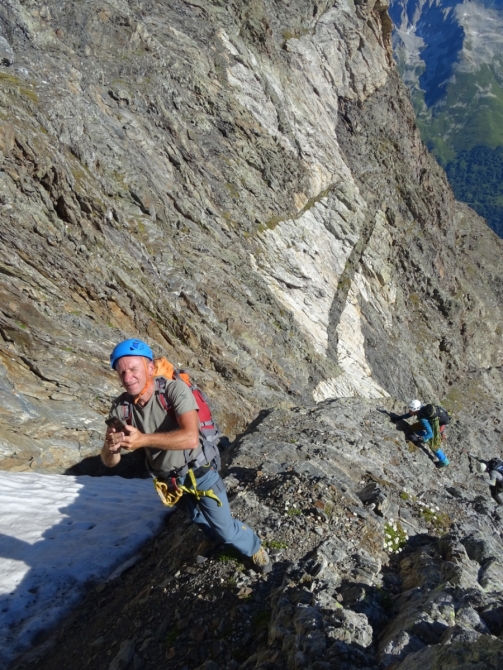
205	458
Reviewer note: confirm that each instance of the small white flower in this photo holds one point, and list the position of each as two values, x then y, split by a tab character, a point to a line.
437	508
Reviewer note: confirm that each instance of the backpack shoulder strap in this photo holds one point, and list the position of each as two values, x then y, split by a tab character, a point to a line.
161	385
125	408
208	427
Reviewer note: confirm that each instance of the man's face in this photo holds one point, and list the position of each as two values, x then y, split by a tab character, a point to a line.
132	371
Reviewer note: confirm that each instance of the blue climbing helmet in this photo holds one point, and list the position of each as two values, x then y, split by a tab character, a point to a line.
130	348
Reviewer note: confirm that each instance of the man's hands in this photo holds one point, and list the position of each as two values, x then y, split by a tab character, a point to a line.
134	439
112	440
111	450
130	439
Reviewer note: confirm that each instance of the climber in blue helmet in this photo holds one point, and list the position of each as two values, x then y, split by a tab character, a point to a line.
161	416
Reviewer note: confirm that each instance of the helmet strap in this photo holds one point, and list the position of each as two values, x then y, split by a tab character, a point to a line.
147	383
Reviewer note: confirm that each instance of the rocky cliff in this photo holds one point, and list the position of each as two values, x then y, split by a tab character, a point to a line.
380	562
243	185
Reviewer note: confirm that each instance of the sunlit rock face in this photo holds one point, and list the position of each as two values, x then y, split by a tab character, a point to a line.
243	186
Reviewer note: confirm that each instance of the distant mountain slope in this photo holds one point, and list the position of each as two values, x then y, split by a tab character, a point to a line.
450	54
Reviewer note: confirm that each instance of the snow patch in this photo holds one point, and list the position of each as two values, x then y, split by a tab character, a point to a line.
56	534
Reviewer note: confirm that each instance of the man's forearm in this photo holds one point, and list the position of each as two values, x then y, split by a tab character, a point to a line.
108	458
173	441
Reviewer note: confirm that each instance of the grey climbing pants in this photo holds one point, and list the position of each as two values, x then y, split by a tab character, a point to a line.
216	522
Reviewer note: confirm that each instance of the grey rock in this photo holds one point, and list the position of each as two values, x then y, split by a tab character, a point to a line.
459	655
6	52
400	646
468	617
354	628
124	656
368	563
243	185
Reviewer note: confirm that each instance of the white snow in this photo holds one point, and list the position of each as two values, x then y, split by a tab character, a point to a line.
56	534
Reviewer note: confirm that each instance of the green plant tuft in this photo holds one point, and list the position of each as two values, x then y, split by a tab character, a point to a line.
395	536
439	521
275	544
230	555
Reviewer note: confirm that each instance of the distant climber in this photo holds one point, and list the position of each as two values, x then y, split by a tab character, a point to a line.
494	468
162	415
430	429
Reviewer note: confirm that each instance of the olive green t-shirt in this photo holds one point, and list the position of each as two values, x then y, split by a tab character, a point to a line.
152	418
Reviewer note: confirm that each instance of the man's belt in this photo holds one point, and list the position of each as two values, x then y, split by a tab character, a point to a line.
179	473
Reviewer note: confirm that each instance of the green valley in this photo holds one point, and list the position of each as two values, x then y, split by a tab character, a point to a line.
450	55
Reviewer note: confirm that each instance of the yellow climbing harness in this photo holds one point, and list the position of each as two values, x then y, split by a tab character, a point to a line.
170	494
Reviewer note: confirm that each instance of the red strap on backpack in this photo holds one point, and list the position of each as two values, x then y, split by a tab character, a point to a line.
125	410
206	421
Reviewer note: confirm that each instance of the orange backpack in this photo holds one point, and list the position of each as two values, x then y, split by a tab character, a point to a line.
163	368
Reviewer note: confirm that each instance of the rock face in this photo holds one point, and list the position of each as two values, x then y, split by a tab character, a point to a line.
243	186
411	582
